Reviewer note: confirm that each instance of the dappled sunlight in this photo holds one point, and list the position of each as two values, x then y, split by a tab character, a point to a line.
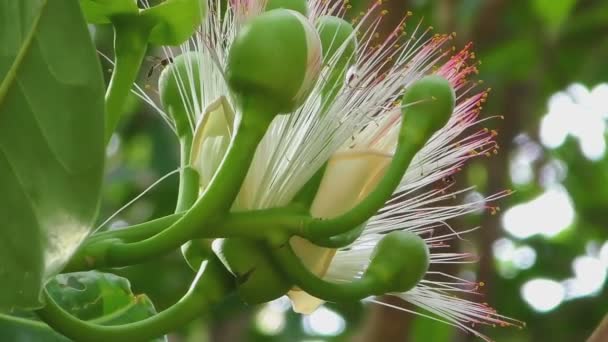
548	215
578	112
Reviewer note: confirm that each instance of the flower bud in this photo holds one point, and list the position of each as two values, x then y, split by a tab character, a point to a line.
258	281
177	93
428	105
275	61
337	35
300	6
339	49
400	260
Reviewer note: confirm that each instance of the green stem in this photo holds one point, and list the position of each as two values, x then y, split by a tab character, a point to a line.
130	45
296	271
368	207
86	257
188	177
211	207
140	231
212	283
342	240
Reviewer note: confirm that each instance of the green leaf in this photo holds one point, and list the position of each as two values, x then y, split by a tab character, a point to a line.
51	142
553	13
19	329
101	11
102	298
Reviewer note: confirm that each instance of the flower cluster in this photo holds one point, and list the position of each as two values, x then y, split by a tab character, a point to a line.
349	125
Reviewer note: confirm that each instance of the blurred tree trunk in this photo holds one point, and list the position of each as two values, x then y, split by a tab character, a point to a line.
601	332
509	100
383	323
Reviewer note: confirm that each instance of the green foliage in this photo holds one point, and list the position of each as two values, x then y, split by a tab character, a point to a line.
553	13
51	143
98	297
530	50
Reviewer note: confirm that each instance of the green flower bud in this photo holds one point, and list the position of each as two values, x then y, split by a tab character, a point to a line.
258	281
275	61
177	93
339	49
300	6
428	105
336	35
400	260
175	20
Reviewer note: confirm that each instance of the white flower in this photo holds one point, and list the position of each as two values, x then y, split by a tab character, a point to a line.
355	134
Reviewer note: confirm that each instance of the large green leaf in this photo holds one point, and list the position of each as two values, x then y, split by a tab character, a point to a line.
93	296
51	142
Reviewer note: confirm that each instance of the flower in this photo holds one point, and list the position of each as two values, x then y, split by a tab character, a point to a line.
351	127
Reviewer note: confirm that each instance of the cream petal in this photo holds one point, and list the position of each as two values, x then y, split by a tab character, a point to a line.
348	179
303	303
211	139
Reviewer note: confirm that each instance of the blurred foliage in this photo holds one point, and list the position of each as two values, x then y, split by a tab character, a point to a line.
529	50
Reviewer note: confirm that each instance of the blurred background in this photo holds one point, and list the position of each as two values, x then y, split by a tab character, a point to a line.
543	257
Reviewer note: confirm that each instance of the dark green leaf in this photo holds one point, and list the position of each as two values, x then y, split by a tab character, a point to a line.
18	329
98	297
51	142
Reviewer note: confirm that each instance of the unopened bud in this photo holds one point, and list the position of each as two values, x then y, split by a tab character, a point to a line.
300	6
178	94
428	105
400	260
275	61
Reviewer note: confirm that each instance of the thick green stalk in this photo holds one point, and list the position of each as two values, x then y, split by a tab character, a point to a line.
296	271
212	283
211	207
130	45
86	256
188	177
341	240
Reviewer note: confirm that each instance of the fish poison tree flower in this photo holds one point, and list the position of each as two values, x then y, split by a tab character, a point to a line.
347	111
